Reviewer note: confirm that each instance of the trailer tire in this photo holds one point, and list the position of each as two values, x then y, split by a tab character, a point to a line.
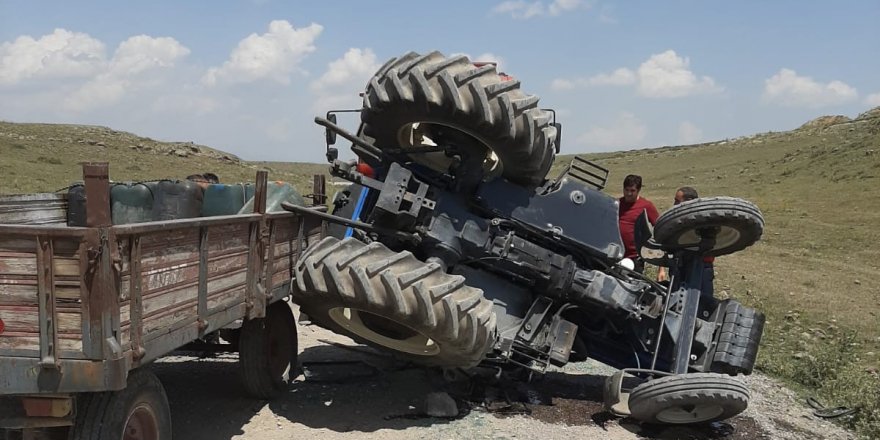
737	222
268	352
452	92
688	398
139	411
395	302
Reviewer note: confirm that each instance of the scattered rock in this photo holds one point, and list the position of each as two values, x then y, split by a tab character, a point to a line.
857	282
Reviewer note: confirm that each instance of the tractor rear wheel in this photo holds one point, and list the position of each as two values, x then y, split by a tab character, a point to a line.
393	301
421	101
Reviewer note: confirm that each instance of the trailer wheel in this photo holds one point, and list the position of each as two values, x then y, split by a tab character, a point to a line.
268	352
416	100
138	412
393	301
688	398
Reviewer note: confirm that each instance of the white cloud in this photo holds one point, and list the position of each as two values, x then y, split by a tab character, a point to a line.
689	133
274	55
789	89
126	71
667	75
524	10
619	77
873	100
142	52
345	77
61	54
626	131
560	6
663	75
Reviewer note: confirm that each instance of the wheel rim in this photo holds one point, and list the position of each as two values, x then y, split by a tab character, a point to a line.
417	135
385	332
682	414
725	236
142	424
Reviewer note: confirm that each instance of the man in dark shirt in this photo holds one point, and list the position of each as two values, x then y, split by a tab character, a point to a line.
631	207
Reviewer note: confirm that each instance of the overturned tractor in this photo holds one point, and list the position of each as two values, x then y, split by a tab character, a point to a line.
453	248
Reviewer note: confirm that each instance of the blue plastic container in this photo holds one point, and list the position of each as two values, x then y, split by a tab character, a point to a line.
177	199
131	202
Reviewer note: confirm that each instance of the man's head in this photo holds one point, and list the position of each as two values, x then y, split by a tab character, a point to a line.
632	184
199	179
684	194
211	177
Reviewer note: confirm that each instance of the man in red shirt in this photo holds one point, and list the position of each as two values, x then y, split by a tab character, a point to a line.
631	207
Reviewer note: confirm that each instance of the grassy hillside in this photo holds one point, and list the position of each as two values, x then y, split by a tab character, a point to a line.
44	157
814	272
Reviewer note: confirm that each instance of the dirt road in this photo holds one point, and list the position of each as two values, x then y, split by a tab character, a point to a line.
350	391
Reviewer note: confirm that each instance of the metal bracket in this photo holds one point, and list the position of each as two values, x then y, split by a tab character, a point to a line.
616	396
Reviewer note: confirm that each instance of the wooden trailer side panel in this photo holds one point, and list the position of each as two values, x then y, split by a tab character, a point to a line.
184	280
41	286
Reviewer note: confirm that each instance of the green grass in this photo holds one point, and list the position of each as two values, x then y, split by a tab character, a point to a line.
817	264
813	273
45	157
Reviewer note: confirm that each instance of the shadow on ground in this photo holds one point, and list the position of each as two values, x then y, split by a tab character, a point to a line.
355	389
346	391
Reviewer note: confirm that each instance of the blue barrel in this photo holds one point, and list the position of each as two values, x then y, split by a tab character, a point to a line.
222	199
131	202
76	205
176	199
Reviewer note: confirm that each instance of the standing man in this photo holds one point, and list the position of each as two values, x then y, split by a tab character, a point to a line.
631	207
685	194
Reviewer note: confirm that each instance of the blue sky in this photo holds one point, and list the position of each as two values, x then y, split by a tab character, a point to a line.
249	76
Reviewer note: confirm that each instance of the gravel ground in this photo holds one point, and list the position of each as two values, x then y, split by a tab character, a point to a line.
346	390
351	391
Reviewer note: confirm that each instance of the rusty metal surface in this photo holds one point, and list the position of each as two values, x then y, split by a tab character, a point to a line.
96	177
45	230
135	305
46	295
319	189
35	422
25	376
260	192
187	223
33	209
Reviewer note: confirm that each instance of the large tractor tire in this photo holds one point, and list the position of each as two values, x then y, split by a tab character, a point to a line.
736	223
688	398
412	97
395	302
